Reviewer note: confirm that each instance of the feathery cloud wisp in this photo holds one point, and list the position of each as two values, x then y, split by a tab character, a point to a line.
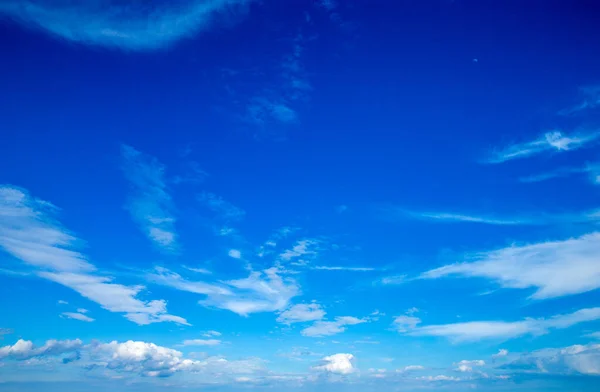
150	204
554	141
30	232
128	26
554	268
328	328
301	313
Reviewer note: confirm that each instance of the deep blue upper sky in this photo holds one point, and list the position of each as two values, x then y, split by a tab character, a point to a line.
298	193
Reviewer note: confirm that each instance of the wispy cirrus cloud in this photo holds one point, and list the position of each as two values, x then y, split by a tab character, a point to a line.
592	170
301	313
262	291
553	268
554	141
77	316
150	204
128	26
591	100
30	232
342	268
505	330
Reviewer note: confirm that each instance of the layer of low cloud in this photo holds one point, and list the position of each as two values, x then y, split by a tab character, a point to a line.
30	232
553	268
572	360
150	203
504	330
126	26
554	141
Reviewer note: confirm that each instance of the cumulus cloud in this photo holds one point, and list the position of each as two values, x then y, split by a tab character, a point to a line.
301	313
577	359
25	349
554	268
129	26
501	353
411	368
337	363
504	330
406	323
328	328
30	232
554	141
150	204
234	253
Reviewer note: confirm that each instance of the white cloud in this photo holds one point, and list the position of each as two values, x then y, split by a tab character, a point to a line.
211	333
592	170
501	353
406	323
467	366
150	204
77	316
25	349
128	26
30	232
577	359
453	217
440	377
411	368
223	208
201	342
554	268
234	253
328	328
82	310
553	141
504	330
165	277
337	363
61	302
306	248
339	268
392	280
301	313
591	100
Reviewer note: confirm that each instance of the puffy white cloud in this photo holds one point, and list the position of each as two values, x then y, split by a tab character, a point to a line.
328	328
337	363
25	349
501	353
128	26
477	330
150	204
411	368
467	366
577	359
555	268
201	342
554	141
30	232
77	316
234	253
301	313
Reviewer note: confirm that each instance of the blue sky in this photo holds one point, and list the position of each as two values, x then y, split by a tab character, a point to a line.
312	195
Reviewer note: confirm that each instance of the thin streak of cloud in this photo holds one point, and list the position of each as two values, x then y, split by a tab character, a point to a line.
591	100
128	26
150	204
554	141
340	268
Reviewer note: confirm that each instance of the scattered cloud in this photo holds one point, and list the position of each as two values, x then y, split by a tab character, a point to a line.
61	302
406	323
328	328
392	280
77	316
201	342
592	170
123	26
198	270
303	249
234	253
412	368
452	217
301	313
211	333
30	232
466	366
501	353
504	330
554	268
340	268
337	363
554	141
150	204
